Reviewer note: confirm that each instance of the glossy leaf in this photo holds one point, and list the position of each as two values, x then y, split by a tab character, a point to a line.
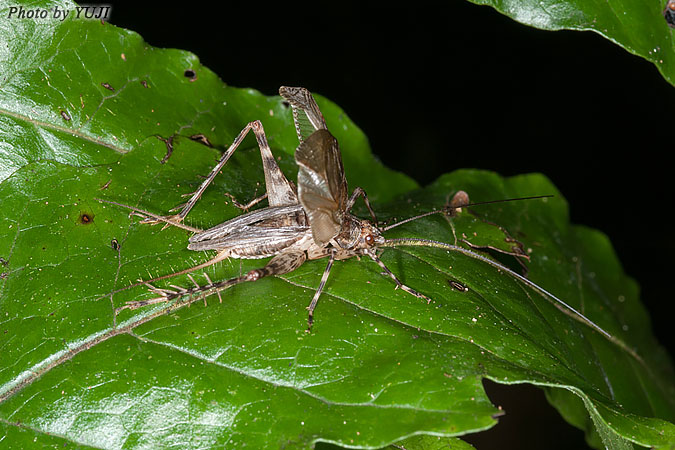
637	26
94	112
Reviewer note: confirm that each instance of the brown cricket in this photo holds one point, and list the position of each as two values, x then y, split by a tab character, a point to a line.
309	222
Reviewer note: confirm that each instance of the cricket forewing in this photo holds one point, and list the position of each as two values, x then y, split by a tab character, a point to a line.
322	187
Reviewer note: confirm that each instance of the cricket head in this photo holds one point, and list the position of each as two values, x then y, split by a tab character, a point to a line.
370	236
358	234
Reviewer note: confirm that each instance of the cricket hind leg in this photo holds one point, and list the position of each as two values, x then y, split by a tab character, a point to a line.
279	190
193	294
284	262
279	265
137	304
306	113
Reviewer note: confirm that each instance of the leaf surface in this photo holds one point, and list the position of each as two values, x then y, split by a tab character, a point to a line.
90	111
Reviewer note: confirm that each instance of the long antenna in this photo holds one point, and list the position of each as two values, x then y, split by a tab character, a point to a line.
444	210
560	304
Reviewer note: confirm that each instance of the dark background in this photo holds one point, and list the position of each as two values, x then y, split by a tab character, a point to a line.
436	88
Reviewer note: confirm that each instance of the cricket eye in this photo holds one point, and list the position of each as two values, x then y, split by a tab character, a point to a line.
370	239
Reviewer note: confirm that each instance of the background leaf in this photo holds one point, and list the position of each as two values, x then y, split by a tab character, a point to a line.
380	365
637	26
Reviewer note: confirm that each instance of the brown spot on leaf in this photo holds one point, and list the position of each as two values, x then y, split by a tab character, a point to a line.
86	218
169	148
202	139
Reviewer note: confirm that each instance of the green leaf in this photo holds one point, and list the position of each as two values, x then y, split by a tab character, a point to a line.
425	442
87	110
637	26
418	442
17	436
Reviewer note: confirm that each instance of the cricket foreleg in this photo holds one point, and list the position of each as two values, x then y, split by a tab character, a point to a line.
315	299
360	192
400	285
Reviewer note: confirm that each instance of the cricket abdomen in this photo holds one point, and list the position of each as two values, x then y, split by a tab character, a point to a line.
258	234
